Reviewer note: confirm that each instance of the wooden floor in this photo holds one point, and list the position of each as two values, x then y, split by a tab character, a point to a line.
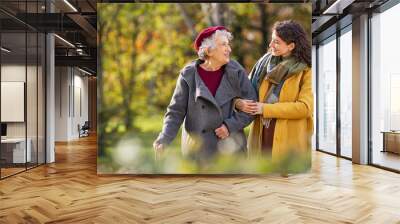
10	171
69	191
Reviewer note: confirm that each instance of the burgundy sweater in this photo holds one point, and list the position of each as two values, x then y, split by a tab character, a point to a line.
212	79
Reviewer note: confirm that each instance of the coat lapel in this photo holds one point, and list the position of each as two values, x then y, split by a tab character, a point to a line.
202	90
225	91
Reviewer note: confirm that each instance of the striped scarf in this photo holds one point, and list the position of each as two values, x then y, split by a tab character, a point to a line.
276	70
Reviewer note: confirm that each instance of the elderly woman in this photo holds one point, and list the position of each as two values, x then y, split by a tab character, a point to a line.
203	100
282	78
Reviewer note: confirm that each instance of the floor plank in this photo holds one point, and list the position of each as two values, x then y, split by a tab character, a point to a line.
69	191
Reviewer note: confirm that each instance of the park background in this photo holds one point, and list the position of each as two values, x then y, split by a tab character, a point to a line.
142	47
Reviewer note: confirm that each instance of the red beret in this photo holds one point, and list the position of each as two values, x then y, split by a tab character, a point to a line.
207	32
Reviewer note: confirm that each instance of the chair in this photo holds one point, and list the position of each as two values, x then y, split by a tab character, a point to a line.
84	130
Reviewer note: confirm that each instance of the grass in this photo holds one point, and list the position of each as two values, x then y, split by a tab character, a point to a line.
132	153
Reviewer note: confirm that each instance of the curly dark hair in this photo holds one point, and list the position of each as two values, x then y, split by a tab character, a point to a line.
292	32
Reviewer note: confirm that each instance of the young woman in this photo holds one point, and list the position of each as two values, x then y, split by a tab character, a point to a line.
282	78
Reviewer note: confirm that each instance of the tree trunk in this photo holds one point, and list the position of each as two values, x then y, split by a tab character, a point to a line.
205	8
216	14
188	21
236	31
264	26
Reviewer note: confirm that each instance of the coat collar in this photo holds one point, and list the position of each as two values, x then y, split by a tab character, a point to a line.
225	91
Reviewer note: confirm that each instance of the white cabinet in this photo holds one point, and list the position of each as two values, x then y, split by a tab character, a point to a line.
18	149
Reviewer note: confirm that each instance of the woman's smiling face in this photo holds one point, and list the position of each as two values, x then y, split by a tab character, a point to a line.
279	47
221	52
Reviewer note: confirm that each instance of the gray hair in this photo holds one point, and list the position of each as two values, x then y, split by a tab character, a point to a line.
209	42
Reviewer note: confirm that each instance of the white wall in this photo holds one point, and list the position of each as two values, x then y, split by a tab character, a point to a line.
71	102
13	101
12	73
61	103
33	126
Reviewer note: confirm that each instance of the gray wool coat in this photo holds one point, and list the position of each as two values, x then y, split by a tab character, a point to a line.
202	113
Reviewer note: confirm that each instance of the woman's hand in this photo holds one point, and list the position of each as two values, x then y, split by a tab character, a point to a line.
222	132
247	106
158	150
258	108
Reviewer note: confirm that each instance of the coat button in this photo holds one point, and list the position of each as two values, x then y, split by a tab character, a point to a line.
202	106
203	131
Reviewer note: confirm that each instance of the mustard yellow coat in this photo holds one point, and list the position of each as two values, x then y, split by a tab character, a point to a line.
294	117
